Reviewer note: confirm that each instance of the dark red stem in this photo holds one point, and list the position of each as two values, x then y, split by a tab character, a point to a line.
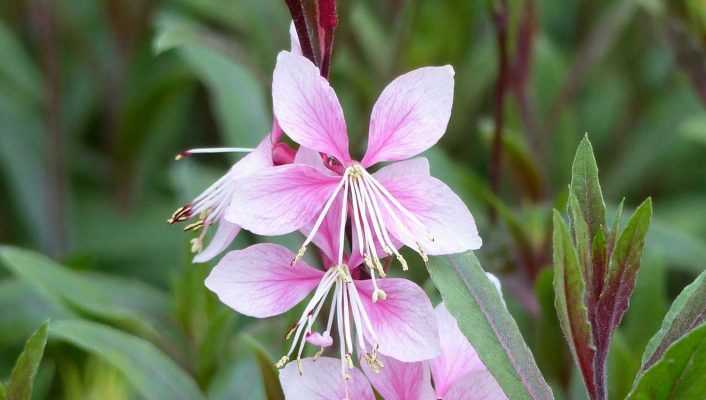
327	25
297	12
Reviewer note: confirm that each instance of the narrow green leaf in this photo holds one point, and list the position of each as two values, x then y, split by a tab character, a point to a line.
679	373
482	317
622	269
149	371
587	188
3	393
132	304
22	378
570	292
270	376
237	96
582	238
687	311
17	70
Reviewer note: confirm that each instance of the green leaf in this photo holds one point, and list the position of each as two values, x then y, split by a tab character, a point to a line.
236	94
270	376
570	291
622	269
687	311
22	378
149	371
17	70
678	373
485	321
586	187
582	239
3	393
133	304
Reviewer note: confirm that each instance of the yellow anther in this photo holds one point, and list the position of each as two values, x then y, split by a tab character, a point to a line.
349	360
379	294
282	362
403	262
196	245
300	254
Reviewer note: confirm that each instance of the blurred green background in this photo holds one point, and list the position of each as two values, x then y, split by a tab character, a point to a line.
96	98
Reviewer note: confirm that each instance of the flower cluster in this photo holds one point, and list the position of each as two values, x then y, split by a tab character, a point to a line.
359	218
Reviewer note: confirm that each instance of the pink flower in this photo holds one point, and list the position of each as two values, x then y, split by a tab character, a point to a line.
400	202
261	282
458	374
209	207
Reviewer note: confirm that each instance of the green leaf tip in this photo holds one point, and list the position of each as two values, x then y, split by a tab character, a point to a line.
23	374
585	185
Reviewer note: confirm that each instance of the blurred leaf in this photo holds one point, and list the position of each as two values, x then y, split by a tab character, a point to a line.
17	70
676	247
648	305
22	378
570	292
552	359
134	304
586	187
3	393
237	96
148	370
482	317
623	364
678	373
694	128
687	311
23	308
239	380
270	375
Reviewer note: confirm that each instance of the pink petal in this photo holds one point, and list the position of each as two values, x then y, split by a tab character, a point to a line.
404	323
255	161
259	281
221	239
478	385
322	380
313	158
410	115
320	340
281	199
457	358
443	214
398	380
307	107
294	46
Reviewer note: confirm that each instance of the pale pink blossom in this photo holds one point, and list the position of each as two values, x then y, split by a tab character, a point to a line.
457	374
208	208
399	203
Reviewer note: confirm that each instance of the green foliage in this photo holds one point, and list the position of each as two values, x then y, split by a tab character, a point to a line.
270	375
22	378
483	318
148	370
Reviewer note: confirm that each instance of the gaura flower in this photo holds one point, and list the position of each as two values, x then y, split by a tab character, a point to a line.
457	374
400	202
260	281
209	207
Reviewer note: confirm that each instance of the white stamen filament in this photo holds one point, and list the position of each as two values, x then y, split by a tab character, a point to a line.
212	150
321	217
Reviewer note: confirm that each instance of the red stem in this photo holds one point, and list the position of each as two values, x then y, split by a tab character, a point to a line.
297	12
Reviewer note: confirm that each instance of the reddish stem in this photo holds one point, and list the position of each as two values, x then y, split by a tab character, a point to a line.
297	12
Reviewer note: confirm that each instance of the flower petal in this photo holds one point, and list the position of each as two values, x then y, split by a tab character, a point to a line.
404	322
281	199
478	385
410	115
294	46
322	380
457	358
443	214
221	239
259	281
307	107
399	380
